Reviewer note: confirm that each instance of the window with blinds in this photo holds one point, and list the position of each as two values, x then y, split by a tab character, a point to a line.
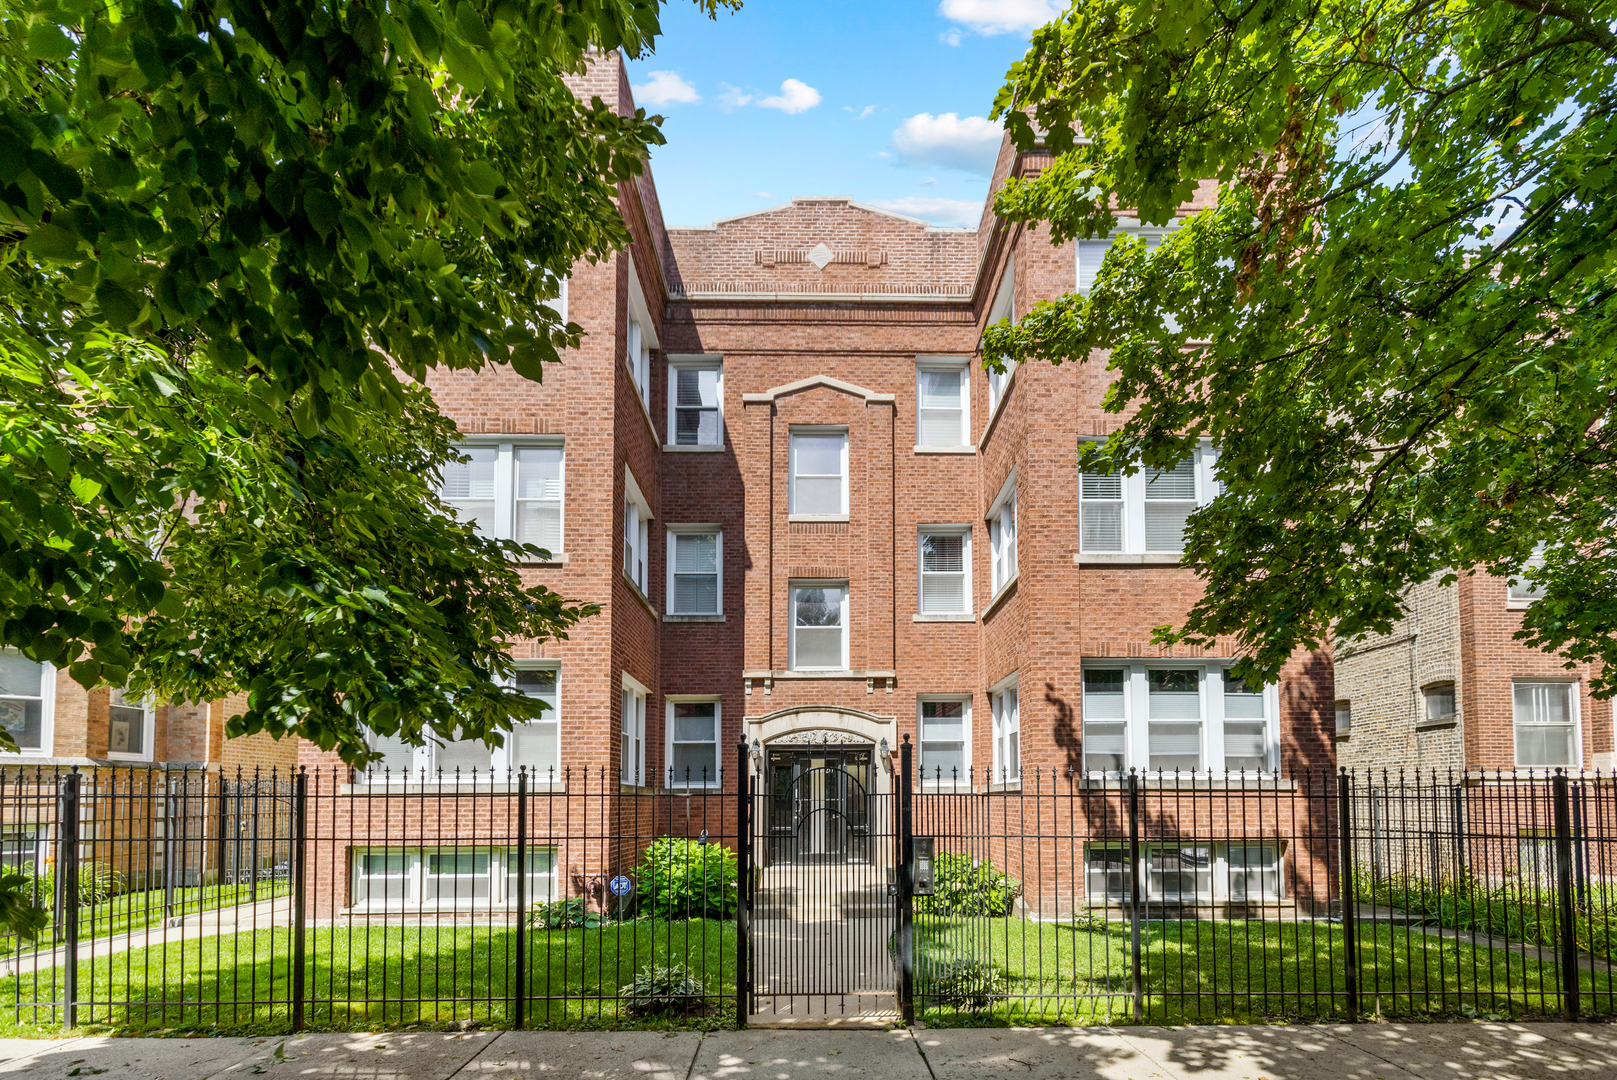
536	745
1105	720
695	395
538	496
1546	724
694	576
25	703
1170	499
1246	744
468	486
945	573
509	491
1100	510
1175	719
941	406
945	741
819	466
693	759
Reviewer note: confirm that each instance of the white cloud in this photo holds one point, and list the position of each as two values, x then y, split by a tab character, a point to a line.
794	97
968	143
732	97
665	87
928	182
861	113
951	37
938	211
998	16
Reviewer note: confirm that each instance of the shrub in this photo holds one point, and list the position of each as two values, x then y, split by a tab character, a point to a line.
565	915
961	983
660	990
963	885
1516	910
684	879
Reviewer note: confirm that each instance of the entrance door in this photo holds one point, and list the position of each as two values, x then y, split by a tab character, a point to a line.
821	914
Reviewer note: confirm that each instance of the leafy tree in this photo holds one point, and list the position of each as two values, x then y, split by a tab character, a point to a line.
236	236
1397	323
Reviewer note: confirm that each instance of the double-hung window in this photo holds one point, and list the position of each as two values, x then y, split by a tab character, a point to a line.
945	586
942	405
632	734
819	473
1143	513
510	491
945	730
1003	309
129	727
1522	589
1175	719
1546	721
693	742
819	615
27	690
639	340
636	534
1439	702
1186	872
1105	720
1091	253
696	400
1002	536
695	570
1178	717
536	745
1246	731
394	878
1007	734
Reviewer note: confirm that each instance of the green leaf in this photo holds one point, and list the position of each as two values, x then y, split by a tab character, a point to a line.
120	307
484	178
52	242
322	210
463	65
47	42
471	26
86	489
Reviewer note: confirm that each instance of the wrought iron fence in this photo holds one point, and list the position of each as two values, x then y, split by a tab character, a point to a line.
189	900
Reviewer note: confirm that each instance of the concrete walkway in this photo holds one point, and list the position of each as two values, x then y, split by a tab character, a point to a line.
236	918
1479	1051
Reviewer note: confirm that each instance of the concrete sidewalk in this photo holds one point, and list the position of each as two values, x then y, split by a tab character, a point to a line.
1480	1051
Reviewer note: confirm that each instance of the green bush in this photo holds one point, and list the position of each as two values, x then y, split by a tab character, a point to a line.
961	983
684	879
661	990
1515	909
963	885
565	915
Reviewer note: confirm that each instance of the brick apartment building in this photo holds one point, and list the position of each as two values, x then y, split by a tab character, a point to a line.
816	523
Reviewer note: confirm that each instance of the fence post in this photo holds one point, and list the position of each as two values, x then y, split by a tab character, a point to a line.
300	830
1135	876
906	897
67	875
519	1006
744	890
1563	887
1350	907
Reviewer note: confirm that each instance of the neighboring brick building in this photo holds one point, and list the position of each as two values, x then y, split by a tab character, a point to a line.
1451	689
815	522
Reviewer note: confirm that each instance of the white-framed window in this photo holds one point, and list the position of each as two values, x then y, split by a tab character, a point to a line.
945	569
558	303
1521	591
819	472
944	726
1002	536
1171	716
1005	704
535	745
1546	722
27	700
695	570
1091	253
130	724
693	742
639	339
447	877
942	402
1344	717
696	400
1438	702
1003	309
636	533
632	734
1187	872
510	490
819	640
1144	513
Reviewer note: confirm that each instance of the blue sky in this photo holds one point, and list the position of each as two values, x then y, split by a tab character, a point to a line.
882	100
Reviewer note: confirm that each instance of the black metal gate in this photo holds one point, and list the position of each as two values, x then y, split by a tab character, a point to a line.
820	897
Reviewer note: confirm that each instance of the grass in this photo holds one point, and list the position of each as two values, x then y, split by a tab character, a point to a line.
1517	909
367	978
1231	971
138	910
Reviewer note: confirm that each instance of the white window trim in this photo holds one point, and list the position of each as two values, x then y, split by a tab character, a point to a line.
793	585
639	689
1220	876
502	756
692	362
1531	590
791	471
1007	495
998	774
1003	307
1577	723
928	780
1133	500
633	494
558	303
541	887
1126	226
148	726
505	483
1210	684
669	607
669	701
640	376
961	365
969	599
47	712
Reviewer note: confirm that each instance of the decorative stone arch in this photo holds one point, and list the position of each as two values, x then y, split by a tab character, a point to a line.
823	723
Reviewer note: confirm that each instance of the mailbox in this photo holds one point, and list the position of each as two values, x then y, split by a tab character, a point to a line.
923	866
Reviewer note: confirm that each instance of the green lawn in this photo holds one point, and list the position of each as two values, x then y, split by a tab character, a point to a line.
1229	971
144	908
383	976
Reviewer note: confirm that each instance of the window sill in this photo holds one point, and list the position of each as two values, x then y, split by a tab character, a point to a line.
693	618
1190	783
1518	605
640	596
1440	724
125	759
849	673
558	558
794	518
999	597
962	616
686	789
673	448
1120	559
1010	787
946	450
